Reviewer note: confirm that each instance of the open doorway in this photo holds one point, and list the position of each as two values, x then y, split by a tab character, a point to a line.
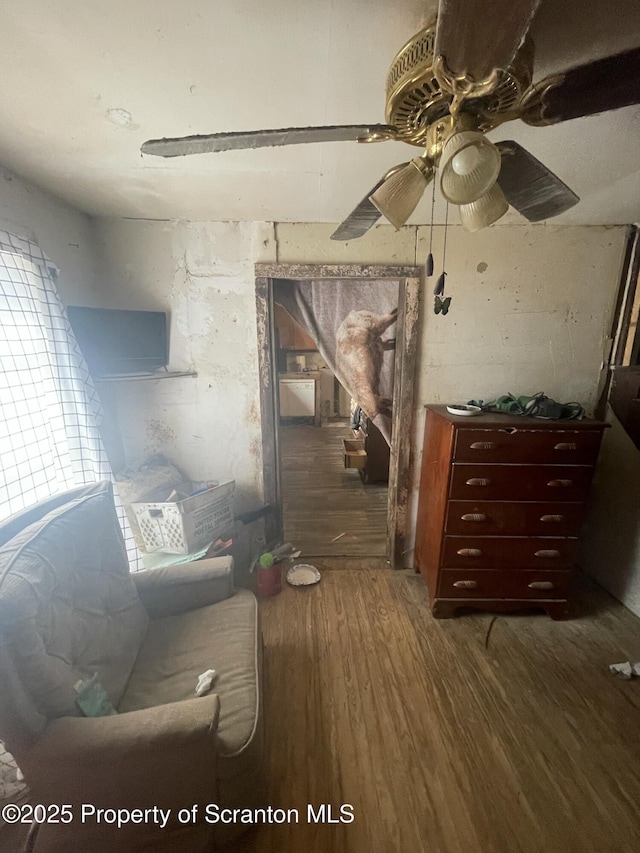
334	460
407	282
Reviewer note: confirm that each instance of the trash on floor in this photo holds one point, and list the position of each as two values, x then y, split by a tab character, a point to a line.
626	670
303	575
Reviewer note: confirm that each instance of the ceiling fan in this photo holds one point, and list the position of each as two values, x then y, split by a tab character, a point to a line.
464	74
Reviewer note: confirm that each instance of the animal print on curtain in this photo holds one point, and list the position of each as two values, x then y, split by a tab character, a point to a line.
353	325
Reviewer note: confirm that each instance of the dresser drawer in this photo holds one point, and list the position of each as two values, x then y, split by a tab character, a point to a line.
502	518
494	552
493	584
556	483
527	446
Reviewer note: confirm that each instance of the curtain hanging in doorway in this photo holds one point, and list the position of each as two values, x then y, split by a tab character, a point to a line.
353	325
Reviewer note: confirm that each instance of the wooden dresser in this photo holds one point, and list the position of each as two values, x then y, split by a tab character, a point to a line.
500	507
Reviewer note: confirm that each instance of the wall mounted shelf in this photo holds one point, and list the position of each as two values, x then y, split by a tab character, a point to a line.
142	377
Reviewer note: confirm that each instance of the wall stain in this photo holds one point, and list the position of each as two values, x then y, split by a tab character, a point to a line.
482	267
253	413
255	452
159	432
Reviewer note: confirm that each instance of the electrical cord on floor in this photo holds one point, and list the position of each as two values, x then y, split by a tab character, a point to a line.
489	629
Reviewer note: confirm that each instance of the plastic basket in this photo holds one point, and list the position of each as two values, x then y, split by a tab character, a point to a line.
180	527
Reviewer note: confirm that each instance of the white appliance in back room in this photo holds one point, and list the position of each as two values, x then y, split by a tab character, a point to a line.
297	398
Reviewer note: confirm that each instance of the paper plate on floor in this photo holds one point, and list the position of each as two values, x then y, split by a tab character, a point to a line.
303	575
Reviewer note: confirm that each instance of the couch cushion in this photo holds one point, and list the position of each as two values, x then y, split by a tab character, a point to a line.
68	607
222	636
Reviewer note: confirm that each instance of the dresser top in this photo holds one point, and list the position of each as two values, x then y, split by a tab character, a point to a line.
491	420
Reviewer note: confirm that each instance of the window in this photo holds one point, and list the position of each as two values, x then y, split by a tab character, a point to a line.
49	409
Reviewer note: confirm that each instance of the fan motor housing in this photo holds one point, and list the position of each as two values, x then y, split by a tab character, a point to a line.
415	99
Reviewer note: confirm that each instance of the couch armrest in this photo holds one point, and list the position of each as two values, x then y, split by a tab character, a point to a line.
186	586
163	756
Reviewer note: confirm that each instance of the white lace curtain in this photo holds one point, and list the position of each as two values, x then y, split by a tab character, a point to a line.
49	409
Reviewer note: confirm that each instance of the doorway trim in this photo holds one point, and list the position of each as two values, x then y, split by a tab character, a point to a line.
408	279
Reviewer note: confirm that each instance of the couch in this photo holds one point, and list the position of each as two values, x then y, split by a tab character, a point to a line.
69	608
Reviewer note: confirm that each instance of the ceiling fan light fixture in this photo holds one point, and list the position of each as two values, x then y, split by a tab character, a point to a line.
399	195
469	166
484	211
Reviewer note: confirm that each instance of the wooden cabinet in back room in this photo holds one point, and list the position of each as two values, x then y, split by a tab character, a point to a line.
500	508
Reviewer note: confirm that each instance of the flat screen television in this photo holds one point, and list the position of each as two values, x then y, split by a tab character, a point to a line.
116	342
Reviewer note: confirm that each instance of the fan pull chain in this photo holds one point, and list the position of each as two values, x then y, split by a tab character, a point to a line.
429	263
442	305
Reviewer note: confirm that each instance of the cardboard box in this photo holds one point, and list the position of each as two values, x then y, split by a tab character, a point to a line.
183	526
355	456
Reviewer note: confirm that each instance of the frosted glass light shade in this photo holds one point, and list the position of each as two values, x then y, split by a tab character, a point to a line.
398	197
469	166
484	211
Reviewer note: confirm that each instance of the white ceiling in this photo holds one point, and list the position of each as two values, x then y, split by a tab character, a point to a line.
85	83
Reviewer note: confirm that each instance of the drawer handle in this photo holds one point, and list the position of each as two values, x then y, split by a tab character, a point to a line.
483	445
560	483
552	518
566	445
549	554
540	585
465	584
473	516
478	481
469	552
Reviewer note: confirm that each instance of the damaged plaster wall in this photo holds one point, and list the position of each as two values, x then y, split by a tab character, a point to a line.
202	275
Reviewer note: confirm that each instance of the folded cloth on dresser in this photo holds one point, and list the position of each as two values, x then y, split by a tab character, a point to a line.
537	406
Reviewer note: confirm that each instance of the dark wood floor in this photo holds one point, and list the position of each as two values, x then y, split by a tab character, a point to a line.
440	744
328	511
456	736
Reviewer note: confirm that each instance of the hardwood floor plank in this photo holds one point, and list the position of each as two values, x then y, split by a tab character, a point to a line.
440	743
328	511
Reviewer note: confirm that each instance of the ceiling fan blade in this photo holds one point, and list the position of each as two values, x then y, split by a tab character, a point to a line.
358	222
211	142
365	215
475	37
361	218
596	87
529	186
